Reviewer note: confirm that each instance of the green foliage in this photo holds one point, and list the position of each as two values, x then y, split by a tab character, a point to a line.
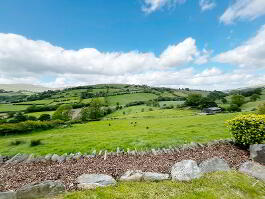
193	100
63	113
254	97
239	100
248	129
27	126
32	118
35	143
233	108
94	111
261	108
45	117
85	114
19	117
16	142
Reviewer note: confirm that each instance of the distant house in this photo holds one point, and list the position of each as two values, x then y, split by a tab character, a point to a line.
212	110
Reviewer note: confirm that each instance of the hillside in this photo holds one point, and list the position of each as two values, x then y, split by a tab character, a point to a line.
23	87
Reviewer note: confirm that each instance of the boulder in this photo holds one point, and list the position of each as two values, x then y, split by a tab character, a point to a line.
61	158
55	157
257	153
185	170
17	159
41	190
48	157
91	181
253	169
132	176
1	159
30	158
8	195
77	156
214	164
151	176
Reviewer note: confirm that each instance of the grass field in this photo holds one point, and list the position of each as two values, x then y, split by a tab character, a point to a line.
127	98
11	107
38	114
225	185
159	130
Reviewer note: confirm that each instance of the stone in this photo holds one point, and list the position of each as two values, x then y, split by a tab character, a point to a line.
1	159
55	157
214	164
185	170
257	153
41	190
132	176
61	158
94	153
154	152
48	157
91	181
30	159
77	156
8	195
105	155
17	159
253	169
151	176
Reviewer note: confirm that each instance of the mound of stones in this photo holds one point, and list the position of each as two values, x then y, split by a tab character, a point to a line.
184	170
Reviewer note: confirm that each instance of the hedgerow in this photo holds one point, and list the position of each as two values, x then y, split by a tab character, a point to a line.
248	129
28	126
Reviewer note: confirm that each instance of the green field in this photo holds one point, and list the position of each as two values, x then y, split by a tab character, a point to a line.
225	185
11	107
127	98
162	129
38	114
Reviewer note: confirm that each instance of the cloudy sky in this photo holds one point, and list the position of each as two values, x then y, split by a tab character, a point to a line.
200	44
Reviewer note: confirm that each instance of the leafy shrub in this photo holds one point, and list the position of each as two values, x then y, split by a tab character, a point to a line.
238	100
248	129
28	126
261	108
35	143
32	118
45	117
233	108
16	142
63	113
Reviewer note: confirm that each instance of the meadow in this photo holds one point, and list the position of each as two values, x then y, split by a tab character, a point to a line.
143	130
225	185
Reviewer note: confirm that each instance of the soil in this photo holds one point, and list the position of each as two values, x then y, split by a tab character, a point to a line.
13	177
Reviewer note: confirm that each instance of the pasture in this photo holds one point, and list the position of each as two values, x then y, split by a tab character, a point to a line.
143	130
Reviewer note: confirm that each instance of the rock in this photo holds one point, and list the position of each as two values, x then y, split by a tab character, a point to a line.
77	156
253	169
257	153
17	159
55	157
154	152
41	190
30	159
91	181
105	155
185	170
151	176
1	159
61	159
48	157
94	153
214	164
8	195
132	176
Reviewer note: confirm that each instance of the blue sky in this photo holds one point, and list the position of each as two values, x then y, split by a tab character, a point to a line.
176	43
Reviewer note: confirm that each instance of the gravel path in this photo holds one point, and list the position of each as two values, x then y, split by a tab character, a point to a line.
13	177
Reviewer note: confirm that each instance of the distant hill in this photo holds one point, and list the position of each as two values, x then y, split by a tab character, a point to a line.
23	87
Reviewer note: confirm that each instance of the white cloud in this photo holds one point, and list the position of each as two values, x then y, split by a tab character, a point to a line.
244	10
207	4
153	5
248	55
22	55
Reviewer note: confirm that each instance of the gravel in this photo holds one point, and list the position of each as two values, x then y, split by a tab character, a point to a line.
14	177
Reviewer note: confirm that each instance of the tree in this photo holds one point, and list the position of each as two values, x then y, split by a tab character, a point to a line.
193	100
63	112
32	118
85	114
207	103
95	108
261	109
45	117
224	100
233	108
239	100
19	117
254	97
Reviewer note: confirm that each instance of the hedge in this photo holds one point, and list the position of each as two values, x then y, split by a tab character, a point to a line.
28	126
248	129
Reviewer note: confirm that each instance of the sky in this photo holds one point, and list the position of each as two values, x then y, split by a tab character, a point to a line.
197	44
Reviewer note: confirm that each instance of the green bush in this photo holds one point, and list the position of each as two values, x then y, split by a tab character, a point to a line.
261	108
248	129
35	143
45	117
63	112
28	126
